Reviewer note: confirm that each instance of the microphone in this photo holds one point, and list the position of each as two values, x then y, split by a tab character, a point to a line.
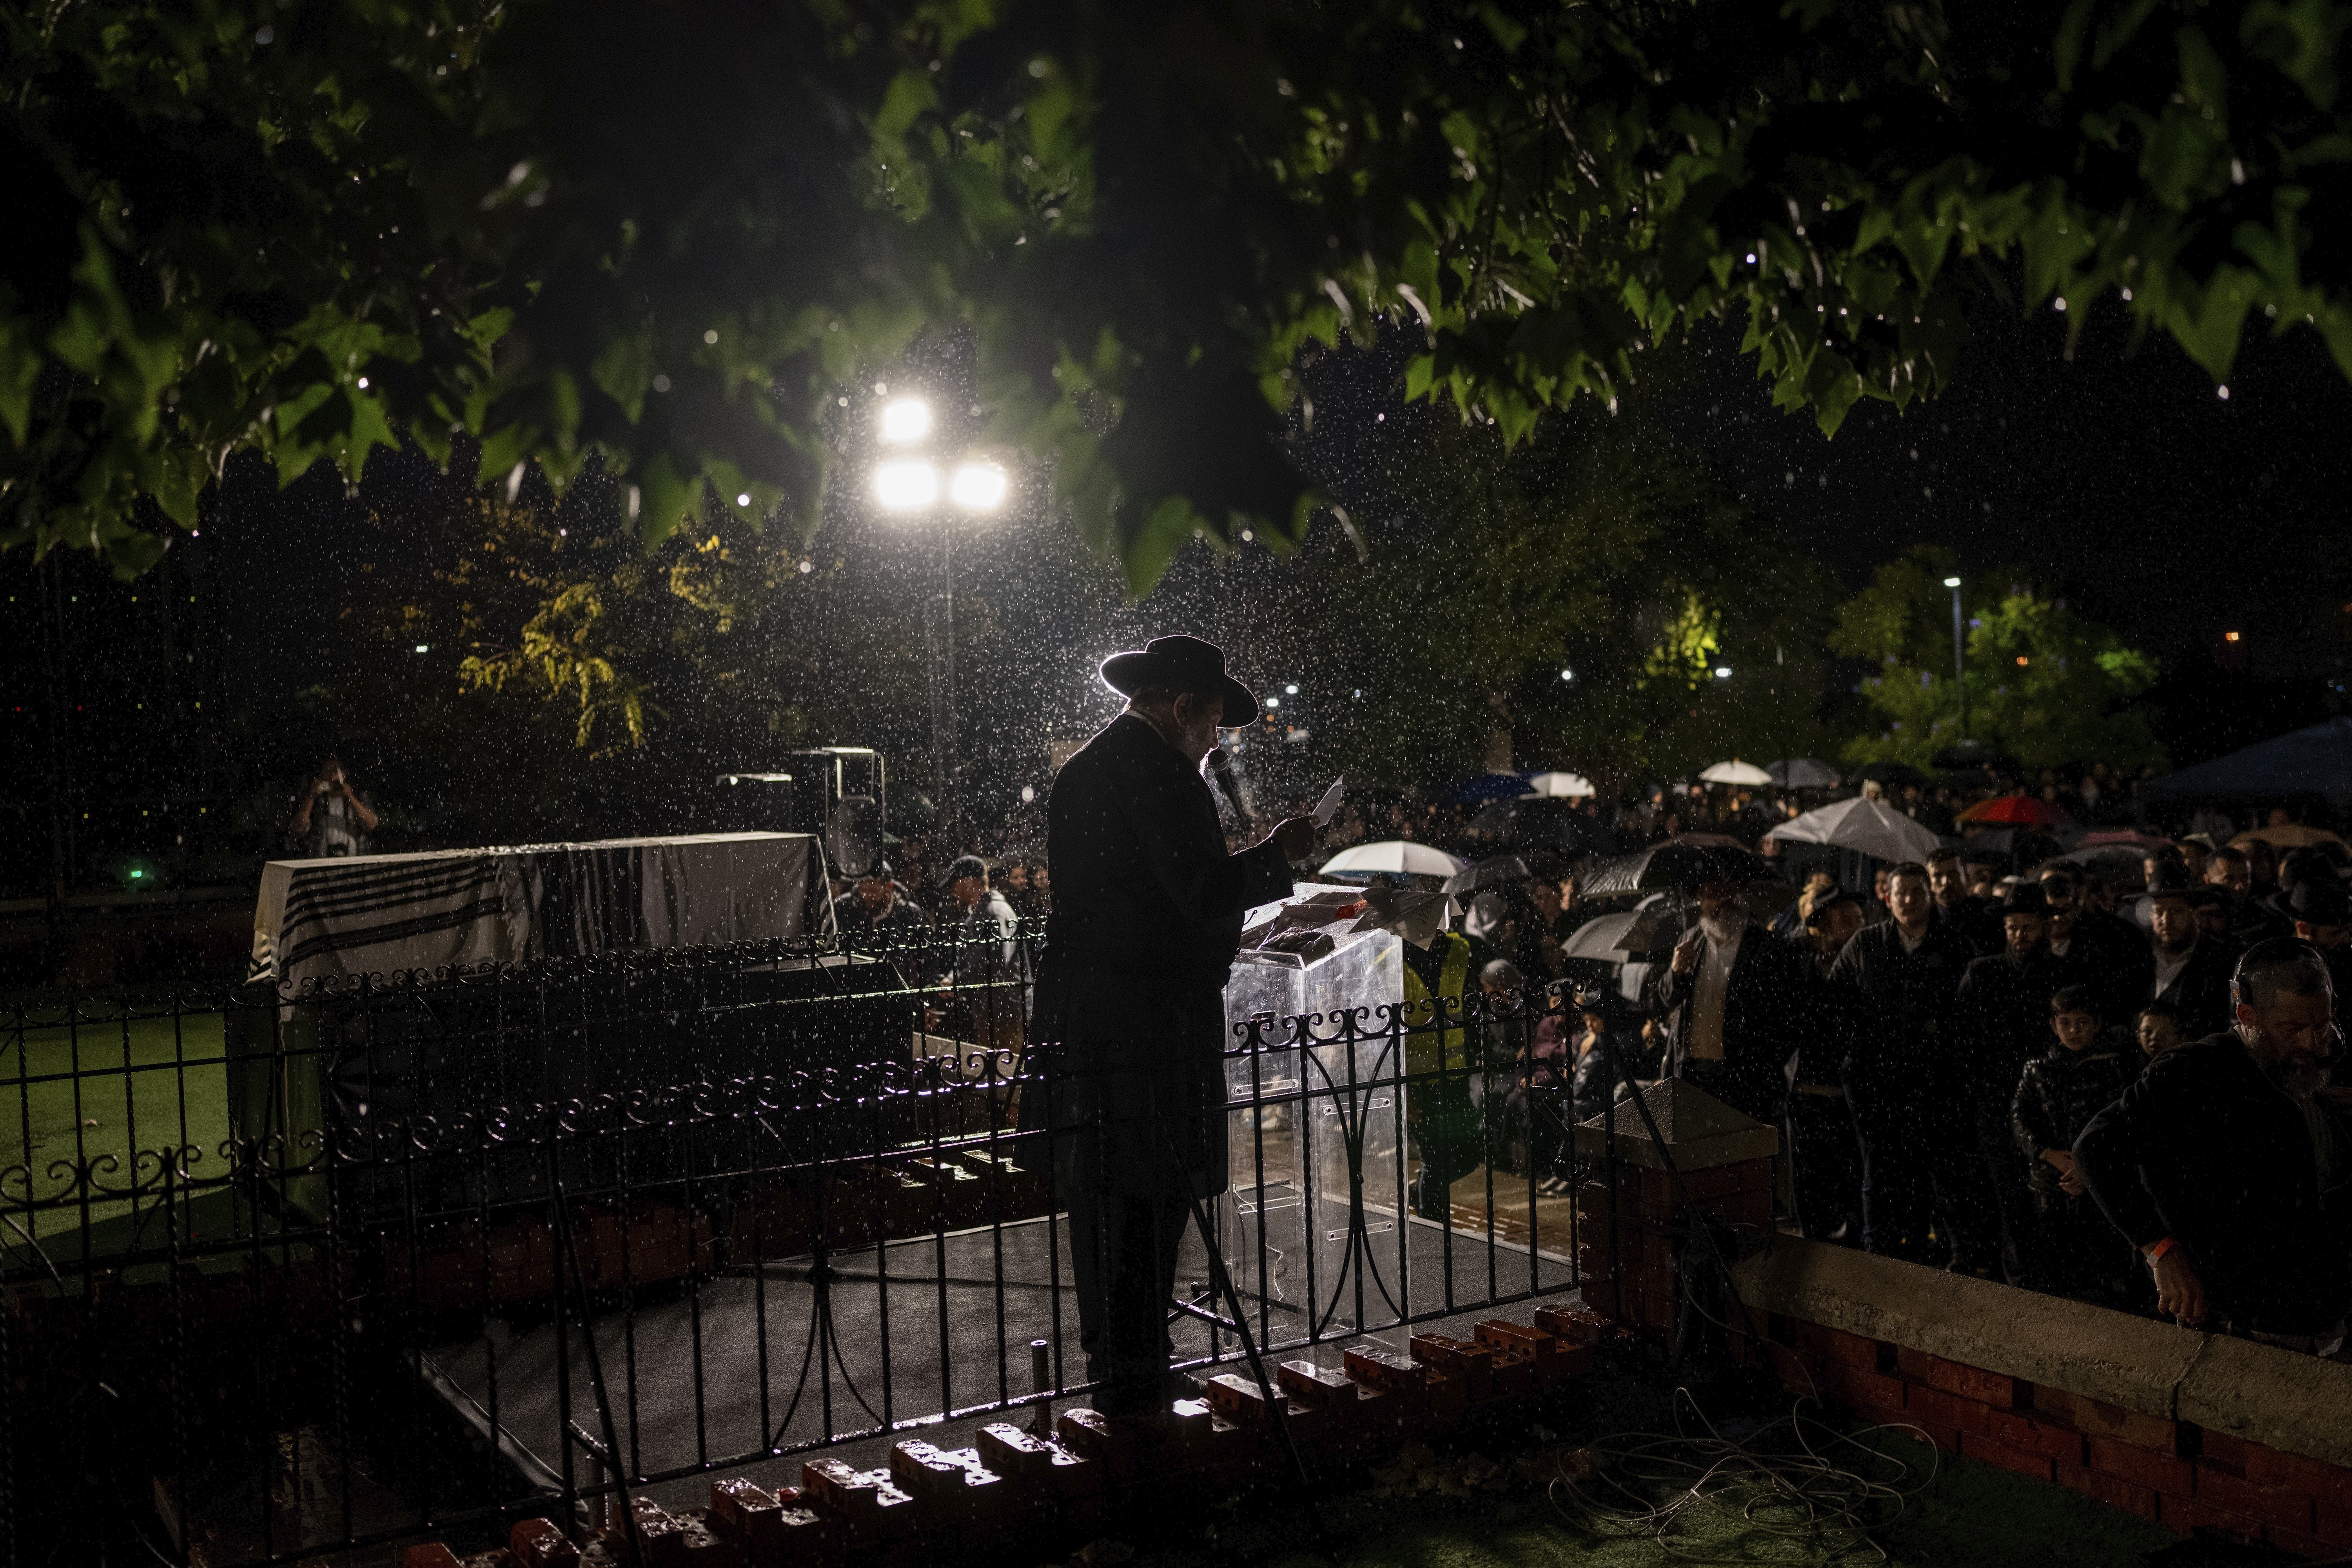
1221	768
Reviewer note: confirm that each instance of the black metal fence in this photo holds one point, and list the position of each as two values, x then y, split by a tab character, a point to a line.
292	1271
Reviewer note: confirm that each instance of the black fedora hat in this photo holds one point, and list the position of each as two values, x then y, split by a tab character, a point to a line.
1185	662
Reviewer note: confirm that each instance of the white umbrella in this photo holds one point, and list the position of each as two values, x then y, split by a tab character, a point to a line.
1736	772
1397	855
1568	786
1867	827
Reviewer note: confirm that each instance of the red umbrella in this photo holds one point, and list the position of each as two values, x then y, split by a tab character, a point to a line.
2015	810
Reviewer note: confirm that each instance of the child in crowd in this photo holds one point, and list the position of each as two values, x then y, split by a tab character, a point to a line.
2079	1253
2158	1025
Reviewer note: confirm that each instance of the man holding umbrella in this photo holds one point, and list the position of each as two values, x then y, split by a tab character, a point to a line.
1147	917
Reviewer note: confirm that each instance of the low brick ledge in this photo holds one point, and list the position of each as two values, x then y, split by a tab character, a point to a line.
2295	1404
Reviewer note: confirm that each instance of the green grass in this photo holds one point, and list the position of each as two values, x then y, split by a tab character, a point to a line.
152	1083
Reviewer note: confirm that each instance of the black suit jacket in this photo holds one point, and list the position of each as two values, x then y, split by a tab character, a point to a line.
1767	1007
2207	1149
2201	991
1147	917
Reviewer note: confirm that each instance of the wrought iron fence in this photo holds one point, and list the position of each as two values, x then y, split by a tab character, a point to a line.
297	1270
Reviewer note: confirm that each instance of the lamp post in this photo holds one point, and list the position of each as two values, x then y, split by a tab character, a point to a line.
1960	680
908	483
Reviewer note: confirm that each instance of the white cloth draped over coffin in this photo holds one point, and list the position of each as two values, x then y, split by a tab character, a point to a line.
378	913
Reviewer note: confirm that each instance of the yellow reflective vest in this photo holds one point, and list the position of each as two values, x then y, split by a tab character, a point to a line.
1422	1039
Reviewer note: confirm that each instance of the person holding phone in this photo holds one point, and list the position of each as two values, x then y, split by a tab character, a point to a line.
330	819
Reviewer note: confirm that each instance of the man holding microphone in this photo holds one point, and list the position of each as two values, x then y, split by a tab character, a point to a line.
1147	917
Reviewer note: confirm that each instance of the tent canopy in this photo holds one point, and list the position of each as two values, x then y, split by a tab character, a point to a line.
2315	760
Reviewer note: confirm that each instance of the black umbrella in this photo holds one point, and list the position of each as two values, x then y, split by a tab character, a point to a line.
1494	871
1539	822
1676	862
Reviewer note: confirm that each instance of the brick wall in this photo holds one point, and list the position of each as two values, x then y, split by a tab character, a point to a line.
2170	1471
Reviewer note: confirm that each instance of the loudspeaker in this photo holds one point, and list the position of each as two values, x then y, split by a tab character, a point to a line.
835	791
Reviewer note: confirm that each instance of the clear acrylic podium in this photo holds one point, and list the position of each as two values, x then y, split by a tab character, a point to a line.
1311	1128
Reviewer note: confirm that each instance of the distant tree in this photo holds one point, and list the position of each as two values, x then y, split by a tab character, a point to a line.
1580	592
670	237
2043	684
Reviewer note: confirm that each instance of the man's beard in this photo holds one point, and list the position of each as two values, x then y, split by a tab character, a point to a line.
2302	1076
2176	949
1723	926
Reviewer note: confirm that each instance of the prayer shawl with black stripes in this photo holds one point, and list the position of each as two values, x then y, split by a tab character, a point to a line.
381	913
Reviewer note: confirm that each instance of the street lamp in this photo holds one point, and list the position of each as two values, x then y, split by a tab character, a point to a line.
1958	670
908	485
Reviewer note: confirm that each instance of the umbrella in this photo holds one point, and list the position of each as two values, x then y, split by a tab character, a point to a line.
1803	772
2317	760
2017	810
1650	929
1568	786
1736	772
1866	826
2286	836
2126	837
1488	786
1401	856
1675	863
1538	823
1897	773
2117	864
1492	873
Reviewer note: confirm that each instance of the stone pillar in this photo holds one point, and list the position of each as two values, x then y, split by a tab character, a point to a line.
1631	1221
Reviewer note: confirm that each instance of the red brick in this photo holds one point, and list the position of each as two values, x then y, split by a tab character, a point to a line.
1912	1364
2097	1418
1932	1405
1986	1451
2333	1523
2111	1490
2185	1515
1721	1182
432	1555
1996	1389
2046	1437
2220	1449
2269	1468
2157	1472
2276	1505
1837	1345
1576	1325
1852	1385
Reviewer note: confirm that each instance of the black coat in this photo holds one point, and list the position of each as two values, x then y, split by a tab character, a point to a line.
2001	1022
2058	1093
2207	1149
1766	1001
2201	991
1900	1006
2108	956
1147	917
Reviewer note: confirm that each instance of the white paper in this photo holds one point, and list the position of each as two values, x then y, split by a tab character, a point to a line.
1330	802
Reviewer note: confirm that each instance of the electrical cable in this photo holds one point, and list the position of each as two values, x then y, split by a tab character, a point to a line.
1814	1484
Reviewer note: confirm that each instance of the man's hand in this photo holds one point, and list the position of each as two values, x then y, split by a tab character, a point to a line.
2178	1292
1686	951
1295	837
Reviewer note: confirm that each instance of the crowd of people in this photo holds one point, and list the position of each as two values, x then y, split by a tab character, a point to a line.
2029	1079
2117	1094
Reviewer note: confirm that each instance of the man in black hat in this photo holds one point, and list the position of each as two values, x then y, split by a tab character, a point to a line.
2001	1022
2184	966
2323	917
1147	917
877	903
